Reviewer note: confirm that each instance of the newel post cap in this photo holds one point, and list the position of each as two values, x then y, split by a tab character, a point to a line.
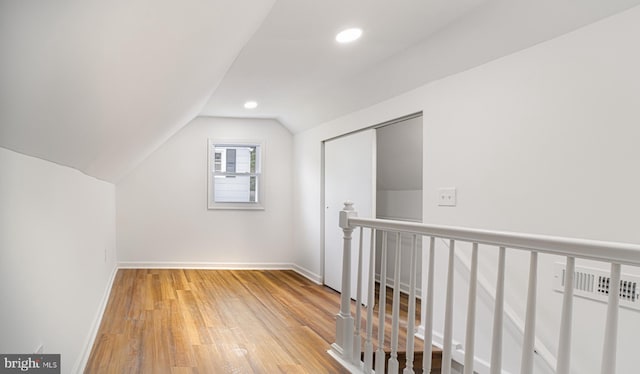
347	212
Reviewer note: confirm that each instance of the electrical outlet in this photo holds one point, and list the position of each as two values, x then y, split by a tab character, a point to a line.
447	196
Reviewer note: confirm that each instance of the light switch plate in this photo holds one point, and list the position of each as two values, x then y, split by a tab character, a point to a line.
447	196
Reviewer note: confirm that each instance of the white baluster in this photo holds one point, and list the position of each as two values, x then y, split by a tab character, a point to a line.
498	313
563	364
395	310
357	341
344	320
382	297
528	340
411	313
447	344
611	327
428	316
368	344
469	349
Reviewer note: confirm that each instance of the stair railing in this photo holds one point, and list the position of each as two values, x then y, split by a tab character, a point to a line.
347	348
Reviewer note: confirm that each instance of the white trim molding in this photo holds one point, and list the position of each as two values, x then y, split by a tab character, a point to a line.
204	265
95	326
315	278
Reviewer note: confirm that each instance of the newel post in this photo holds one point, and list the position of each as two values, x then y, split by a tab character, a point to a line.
344	320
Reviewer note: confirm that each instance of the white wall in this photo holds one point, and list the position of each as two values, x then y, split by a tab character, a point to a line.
162	215
56	227
541	141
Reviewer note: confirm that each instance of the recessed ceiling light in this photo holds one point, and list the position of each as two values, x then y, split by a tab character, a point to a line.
250	105
348	35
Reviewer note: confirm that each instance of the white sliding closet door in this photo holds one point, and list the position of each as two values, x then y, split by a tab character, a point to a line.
350	175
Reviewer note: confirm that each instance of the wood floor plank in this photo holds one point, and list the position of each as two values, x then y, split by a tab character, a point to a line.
216	321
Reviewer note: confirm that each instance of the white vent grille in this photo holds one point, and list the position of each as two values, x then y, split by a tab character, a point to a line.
594	284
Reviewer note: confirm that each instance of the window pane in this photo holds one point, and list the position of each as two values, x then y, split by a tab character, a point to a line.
233	189
237	159
231	160
217	161
252	162
253	189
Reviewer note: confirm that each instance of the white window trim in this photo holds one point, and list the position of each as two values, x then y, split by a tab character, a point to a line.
211	203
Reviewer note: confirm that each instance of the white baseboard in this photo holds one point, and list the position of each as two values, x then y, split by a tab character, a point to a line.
205	265
350	366
480	366
93	332
315	278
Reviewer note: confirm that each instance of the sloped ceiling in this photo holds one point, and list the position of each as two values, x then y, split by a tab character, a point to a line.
98	85
302	77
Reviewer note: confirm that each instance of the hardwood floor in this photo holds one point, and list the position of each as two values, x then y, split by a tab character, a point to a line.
216	321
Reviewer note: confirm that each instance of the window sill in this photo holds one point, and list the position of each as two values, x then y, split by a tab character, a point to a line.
235	206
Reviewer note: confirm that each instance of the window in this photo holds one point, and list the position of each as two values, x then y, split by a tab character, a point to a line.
235	175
